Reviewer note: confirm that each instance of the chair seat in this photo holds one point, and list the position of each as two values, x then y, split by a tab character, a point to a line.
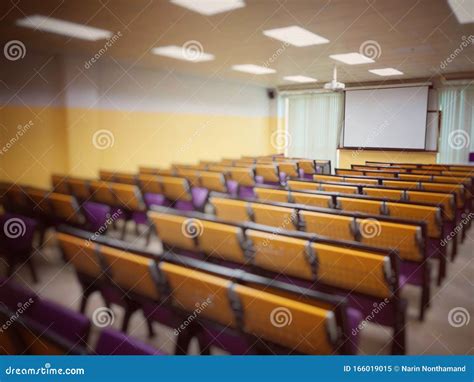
96	215
12	294
154	199
411	273
199	195
112	342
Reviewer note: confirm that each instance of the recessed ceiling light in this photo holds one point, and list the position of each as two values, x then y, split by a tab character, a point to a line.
386	72
210	7
254	69
463	9
65	28
296	36
352	58
185	52
301	79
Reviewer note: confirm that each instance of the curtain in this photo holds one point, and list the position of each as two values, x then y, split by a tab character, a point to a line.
313	125
456	139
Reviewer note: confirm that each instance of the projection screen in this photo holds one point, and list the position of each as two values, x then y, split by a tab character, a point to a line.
392	118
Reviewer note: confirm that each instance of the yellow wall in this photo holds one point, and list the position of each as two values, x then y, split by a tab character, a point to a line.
348	157
39	152
62	141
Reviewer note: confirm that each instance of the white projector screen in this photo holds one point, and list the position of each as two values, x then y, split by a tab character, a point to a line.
393	118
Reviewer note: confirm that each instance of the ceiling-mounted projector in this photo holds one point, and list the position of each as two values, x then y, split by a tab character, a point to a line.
334	85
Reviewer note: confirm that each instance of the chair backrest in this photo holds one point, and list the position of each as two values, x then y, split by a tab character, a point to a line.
289	168
60	184
354	270
281	254
448	201
268	172
128	196
430	214
296	325
66	208
41	204
312	200
374	207
231	210
274	216
308	166
243	176
345	179
338	188
192	289
191	175
405	238
106	176
385	193
224	241
330	225
82	254
131	273
299	185
213	181
269	194
80	188
175	188
101	192
176	231
150	184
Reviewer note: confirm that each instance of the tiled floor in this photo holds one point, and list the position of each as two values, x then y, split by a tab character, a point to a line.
433	336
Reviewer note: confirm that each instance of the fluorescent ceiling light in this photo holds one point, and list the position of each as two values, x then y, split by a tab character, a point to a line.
386	72
254	69
296	36
301	79
210	7
352	58
65	28
186	53
463	9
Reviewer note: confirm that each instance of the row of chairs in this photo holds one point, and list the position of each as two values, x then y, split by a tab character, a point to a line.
237	311
408	238
365	275
446	167
37	326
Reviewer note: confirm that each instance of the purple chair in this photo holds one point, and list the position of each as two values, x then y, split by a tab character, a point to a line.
96	215
66	323
112	342
16	241
14	296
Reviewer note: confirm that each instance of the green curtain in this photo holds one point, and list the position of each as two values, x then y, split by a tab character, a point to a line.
456	138
313	123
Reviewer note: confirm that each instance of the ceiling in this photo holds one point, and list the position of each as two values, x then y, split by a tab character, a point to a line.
413	36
